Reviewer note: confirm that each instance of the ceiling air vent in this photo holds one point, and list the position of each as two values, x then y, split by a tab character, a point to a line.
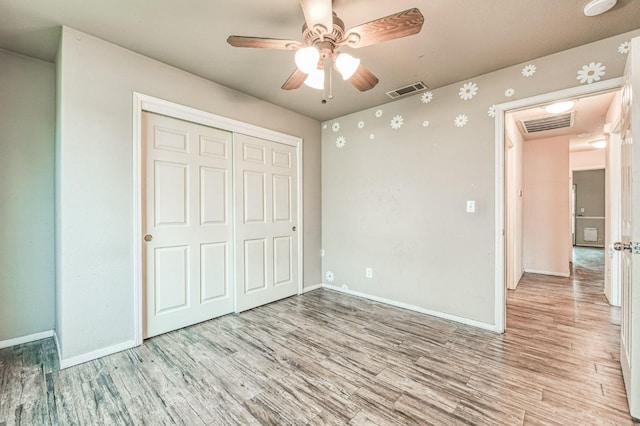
407	90
551	122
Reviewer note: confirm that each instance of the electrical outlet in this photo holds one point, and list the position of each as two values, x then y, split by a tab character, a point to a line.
368	273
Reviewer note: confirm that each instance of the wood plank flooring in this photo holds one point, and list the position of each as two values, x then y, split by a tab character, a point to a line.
330	359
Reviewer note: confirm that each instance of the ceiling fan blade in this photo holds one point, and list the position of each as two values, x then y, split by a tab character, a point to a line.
401	24
363	79
263	43
295	80
318	12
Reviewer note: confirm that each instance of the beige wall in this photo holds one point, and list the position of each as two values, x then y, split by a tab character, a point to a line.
547	225
94	202
27	102
587	160
396	202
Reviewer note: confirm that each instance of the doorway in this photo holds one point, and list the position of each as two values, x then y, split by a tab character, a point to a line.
502	234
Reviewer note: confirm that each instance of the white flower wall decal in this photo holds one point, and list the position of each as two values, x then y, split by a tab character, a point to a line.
329	276
492	111
509	92
590	73
426	97
461	120
379	113
324	126
335	126
360	124
341	141
529	70
372	136
624	48
468	91
425	123
397	122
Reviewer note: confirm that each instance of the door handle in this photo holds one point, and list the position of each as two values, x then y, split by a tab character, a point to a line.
293	229
148	237
621	246
631	247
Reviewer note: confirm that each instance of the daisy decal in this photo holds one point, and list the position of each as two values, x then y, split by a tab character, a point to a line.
426	97
529	70
340	141
372	136
379	113
360	124
461	120
492	111
468	91
324	126
624	48
335	126
397	122
425	123
509	92
590	73
329	276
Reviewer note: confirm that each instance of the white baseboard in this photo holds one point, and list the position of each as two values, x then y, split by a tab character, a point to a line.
90	356
311	288
25	339
552	273
443	315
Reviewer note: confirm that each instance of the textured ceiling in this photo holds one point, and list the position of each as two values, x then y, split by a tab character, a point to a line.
460	39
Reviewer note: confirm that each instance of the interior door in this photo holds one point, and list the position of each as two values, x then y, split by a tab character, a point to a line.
630	230
266	213
187	219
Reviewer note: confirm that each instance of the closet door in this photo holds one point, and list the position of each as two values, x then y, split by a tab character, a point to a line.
266	221
187	222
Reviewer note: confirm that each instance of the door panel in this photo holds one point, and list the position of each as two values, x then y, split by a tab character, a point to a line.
213	271
630	230
267	248
187	215
171	193
255	265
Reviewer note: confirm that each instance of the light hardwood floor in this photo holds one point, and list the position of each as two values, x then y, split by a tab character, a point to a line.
328	358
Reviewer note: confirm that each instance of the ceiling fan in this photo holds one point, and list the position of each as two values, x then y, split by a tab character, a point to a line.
323	33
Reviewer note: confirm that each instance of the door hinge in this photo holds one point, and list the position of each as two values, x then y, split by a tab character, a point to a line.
635	248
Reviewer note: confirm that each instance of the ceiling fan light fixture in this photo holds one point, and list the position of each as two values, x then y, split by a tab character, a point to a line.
347	65
598	7
315	79
307	59
559	107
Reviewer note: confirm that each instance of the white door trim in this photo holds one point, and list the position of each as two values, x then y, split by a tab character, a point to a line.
142	102
501	109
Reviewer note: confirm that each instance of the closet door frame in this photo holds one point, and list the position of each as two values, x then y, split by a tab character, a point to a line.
142	102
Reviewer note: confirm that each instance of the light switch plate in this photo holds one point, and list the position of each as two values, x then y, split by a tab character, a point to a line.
471	206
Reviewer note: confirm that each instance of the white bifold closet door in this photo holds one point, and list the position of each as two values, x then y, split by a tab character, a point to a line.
266	221
192	176
187	222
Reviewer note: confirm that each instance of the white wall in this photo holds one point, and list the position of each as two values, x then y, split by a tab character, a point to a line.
394	199
547	225
27	93
95	182
514	201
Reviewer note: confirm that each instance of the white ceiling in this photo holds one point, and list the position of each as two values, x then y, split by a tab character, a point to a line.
460	39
